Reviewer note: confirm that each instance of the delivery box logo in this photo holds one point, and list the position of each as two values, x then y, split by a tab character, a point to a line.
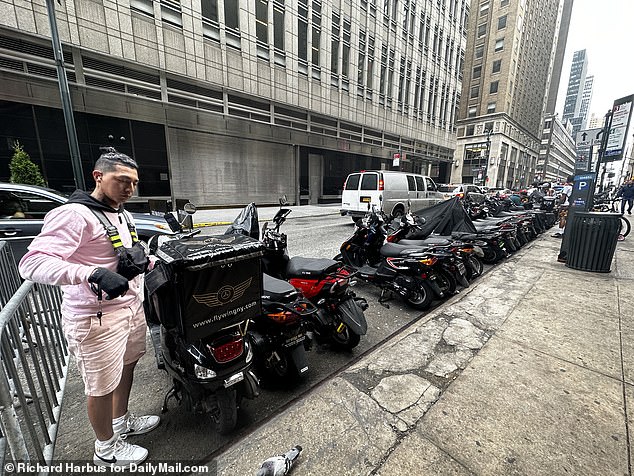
224	295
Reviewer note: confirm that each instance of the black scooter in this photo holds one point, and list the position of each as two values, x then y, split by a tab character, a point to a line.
392	274
200	296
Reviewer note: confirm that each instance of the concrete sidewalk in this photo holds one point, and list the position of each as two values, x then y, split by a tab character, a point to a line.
527	372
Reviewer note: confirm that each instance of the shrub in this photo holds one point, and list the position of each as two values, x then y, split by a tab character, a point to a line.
22	168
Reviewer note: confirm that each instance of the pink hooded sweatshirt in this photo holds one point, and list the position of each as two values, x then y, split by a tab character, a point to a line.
73	242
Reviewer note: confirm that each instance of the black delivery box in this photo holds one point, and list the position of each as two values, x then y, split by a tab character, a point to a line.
206	283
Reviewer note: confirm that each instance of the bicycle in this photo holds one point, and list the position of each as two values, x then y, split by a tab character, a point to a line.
612	206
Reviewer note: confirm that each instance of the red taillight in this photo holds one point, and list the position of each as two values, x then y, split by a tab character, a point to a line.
227	351
461	195
391	238
381	184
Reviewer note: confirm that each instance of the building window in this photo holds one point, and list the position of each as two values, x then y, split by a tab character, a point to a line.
232	23
401	81
473	110
504	3
334	50
475	92
497	65
383	74
361	61
345	54
484	9
279	30
479	51
211	27
171	12
390	77
499	45
494	87
370	71
262	27
143	6
490	108
476	72
482	30
302	35
316	38
470	130
502	22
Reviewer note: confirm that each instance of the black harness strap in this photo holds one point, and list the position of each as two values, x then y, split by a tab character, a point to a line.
112	232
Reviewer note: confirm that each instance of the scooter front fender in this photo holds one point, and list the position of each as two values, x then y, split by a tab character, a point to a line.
352	316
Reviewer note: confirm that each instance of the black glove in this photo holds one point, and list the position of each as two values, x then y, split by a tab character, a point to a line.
113	284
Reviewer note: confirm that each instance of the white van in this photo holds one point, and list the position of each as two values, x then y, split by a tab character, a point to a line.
362	189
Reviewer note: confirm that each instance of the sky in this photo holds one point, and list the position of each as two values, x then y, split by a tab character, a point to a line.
605	29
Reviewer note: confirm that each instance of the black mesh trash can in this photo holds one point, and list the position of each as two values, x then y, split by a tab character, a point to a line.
593	238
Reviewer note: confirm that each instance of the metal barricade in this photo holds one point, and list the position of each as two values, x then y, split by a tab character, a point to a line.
34	366
9	278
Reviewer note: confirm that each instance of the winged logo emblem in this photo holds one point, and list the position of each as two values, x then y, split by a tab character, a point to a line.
224	295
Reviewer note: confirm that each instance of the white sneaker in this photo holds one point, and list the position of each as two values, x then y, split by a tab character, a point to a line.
119	453
133	425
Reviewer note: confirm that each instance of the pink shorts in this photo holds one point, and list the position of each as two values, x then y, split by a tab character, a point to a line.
102	350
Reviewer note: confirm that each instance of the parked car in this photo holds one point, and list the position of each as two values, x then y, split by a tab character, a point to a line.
389	191
22	210
499	192
474	192
446	190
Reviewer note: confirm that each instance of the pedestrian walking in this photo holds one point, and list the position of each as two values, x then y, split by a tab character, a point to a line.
626	192
89	247
564	203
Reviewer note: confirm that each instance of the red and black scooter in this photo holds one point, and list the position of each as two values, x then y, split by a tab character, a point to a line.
325	282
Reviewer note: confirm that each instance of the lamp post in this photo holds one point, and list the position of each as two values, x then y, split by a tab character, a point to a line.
607	125
67	106
485	169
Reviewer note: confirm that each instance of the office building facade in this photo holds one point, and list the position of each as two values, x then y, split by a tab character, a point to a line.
578	93
227	101
509	62
557	153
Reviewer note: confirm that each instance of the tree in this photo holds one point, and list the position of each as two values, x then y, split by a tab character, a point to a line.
22	168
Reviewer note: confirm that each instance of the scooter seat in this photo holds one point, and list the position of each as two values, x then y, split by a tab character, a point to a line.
310	267
393	250
429	241
276	290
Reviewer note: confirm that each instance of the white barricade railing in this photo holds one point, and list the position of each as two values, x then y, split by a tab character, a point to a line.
34	358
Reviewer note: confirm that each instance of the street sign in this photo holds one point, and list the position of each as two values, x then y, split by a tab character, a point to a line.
588	137
396	159
585	140
621	114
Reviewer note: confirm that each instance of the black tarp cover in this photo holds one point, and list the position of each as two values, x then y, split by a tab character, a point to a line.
443	219
246	223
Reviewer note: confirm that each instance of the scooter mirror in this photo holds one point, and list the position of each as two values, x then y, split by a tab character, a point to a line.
283	200
190	208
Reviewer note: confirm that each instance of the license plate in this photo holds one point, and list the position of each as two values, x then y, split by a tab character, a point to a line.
366	199
461	268
293	341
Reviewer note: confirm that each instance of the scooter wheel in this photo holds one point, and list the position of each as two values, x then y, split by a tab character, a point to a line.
225	414
344	340
420	298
